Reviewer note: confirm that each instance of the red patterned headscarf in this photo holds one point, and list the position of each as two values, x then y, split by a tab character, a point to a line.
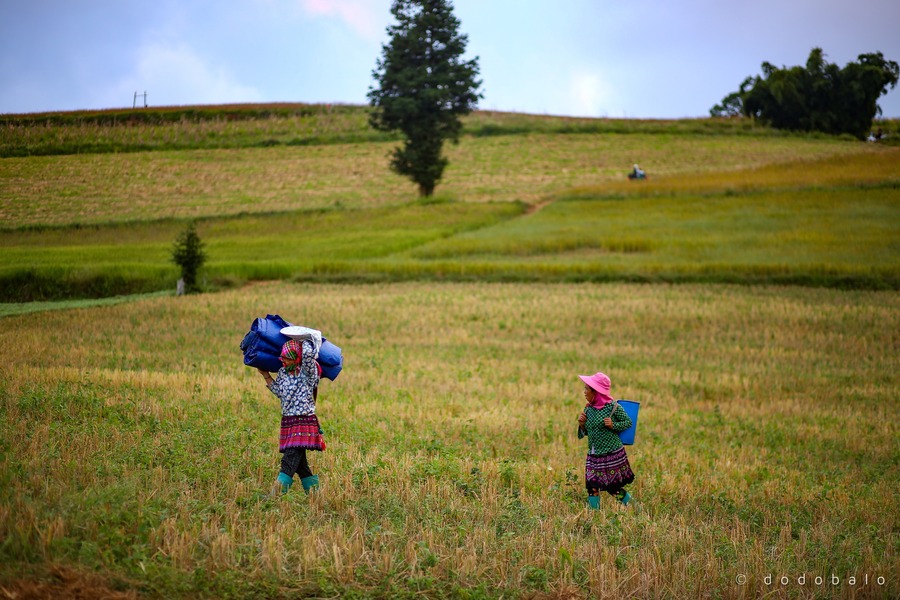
291	356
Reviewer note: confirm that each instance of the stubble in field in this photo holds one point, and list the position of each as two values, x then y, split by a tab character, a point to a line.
766	444
99	188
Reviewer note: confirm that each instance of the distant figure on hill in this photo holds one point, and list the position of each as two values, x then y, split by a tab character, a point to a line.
606	468
637	173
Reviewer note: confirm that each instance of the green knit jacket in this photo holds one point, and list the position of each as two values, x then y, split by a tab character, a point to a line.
602	440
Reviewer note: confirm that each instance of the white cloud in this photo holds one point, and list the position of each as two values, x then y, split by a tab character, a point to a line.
588	93
174	74
359	15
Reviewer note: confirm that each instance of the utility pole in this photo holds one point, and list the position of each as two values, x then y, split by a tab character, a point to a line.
136	95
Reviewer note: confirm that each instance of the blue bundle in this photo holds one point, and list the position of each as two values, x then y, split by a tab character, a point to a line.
262	348
330	359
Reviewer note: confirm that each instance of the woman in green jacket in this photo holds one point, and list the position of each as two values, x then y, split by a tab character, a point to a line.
606	468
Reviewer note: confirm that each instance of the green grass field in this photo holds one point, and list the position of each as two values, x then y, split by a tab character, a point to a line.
539	199
133	441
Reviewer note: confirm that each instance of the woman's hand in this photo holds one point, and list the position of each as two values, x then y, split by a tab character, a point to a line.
608	422
582	418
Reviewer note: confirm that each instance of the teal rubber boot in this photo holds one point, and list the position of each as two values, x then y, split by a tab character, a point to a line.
624	498
310	484
594	501
286	482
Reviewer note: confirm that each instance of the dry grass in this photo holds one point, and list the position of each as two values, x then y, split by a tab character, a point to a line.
64	583
877	166
767	443
100	188
146	186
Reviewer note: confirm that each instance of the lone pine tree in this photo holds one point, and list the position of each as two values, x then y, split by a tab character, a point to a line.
423	87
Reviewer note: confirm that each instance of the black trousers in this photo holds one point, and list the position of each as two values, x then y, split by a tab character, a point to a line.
592	491
293	460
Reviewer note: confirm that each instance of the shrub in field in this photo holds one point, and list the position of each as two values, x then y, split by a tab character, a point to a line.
188	254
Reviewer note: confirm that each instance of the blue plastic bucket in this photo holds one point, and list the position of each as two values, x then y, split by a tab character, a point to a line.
631	409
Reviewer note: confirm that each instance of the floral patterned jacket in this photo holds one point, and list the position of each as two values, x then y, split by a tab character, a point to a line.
298	392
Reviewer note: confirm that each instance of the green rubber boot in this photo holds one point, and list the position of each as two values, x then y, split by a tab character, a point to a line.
286	482
594	501
310	484
624	497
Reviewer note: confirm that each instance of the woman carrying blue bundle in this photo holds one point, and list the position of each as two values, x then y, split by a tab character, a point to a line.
296	386
606	468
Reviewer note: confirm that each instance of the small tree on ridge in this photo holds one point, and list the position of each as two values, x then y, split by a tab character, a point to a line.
188	254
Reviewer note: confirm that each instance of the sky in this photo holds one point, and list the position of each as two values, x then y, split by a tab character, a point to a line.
592	58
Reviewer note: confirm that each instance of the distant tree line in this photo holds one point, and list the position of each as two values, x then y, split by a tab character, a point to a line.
818	97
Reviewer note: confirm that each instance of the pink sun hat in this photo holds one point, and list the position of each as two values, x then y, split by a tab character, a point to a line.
599	382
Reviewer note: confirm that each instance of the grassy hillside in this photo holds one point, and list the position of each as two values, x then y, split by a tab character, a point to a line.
268	125
99	188
725	202
134	442
98	261
829	221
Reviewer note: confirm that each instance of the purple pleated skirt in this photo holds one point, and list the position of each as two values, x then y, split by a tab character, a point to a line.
608	472
301	431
